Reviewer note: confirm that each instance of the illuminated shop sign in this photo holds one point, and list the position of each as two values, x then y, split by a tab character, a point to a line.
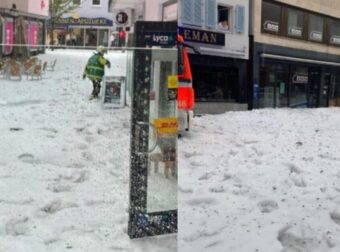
199	36
271	26
83	21
161	38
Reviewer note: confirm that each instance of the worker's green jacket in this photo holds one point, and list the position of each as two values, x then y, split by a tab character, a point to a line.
94	69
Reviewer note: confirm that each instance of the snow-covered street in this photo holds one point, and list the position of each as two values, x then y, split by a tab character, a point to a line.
64	166
264	181
258	181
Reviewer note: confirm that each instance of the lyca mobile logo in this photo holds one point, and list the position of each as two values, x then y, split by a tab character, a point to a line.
160	38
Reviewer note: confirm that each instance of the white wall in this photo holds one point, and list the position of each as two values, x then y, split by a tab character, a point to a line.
236	44
37	7
153	10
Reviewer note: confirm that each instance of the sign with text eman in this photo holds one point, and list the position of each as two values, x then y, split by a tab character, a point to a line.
200	36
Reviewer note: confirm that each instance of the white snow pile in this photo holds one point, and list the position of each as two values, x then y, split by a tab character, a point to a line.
266	180
64	164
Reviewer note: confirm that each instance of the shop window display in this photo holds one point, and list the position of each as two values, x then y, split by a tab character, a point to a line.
298	87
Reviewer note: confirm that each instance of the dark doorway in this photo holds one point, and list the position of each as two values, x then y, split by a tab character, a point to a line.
324	96
314	87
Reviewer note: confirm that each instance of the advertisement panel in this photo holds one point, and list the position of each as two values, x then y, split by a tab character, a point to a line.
9	36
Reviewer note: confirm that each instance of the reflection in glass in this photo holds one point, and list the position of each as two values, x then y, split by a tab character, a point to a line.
315	27
162	171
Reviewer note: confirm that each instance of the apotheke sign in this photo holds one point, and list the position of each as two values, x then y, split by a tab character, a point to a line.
83	21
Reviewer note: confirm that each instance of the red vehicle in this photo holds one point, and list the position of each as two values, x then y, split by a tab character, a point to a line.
186	95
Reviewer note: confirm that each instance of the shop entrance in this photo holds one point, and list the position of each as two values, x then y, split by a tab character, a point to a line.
314	87
91	37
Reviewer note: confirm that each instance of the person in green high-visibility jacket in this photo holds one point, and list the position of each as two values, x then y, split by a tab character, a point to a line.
95	69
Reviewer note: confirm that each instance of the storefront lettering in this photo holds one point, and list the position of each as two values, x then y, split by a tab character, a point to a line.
83	21
271	26
335	39
200	36
300	78
160	38
316	35
295	31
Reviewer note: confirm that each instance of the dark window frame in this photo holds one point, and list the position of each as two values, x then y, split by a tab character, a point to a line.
280	19
94	4
323	41
329	35
283	31
286	25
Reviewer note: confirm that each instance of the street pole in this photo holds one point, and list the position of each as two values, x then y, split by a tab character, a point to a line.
14	13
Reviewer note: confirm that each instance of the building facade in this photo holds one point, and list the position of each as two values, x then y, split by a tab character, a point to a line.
89	25
295	54
24	19
217	31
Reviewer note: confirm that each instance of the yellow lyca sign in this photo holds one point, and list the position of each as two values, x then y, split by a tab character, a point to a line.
167	125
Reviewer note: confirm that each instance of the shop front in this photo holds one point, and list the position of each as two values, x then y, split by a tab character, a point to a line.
286	77
24	29
80	32
219	79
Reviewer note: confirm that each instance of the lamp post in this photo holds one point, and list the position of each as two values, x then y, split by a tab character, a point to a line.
14	13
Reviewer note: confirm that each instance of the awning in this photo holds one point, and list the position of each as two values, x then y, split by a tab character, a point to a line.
311	61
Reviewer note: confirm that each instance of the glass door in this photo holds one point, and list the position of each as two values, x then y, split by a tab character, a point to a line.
298	87
314	87
282	85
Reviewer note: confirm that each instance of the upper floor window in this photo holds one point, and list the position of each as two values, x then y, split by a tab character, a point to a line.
223	13
315	27
271	17
96	2
295	23
334	32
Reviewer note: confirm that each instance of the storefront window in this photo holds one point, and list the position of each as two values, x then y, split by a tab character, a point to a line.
295	23
315	28
298	88
334	96
266	91
91	37
103	37
9	36
219	84
76	37
271	17
95	2
334	32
